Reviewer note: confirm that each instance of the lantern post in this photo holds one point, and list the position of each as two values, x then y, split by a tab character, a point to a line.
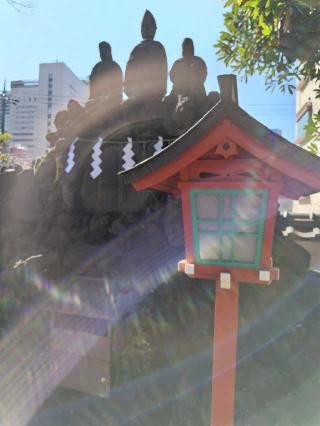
224	354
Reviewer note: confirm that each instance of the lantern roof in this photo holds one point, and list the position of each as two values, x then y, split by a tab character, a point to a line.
300	169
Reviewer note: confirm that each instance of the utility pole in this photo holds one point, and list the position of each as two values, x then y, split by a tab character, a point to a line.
4	99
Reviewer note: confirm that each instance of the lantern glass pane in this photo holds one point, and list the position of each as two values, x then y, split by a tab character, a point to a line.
227	227
227	207
246	227
245	248
208	206
227	247
209	245
248	207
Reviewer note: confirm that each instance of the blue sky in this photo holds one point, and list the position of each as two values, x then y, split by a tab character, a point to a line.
70	31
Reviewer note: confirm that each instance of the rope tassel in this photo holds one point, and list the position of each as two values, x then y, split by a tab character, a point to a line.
158	146
128	156
71	156
96	159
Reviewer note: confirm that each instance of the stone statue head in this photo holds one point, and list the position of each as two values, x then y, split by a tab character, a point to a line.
105	51
73	105
187	48
148	26
60	119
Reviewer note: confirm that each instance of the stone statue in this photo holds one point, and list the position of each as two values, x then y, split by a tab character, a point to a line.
147	69
74	109
189	73
60	121
106	76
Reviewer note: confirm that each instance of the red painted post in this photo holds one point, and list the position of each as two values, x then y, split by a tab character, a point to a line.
224	359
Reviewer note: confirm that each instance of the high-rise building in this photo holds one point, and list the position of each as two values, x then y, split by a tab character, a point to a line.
39	101
23	116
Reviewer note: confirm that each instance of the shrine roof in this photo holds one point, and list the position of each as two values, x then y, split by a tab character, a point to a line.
228	109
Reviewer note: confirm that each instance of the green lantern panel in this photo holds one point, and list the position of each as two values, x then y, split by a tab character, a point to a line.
228	226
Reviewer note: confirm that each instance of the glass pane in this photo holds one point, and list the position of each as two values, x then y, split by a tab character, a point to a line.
227	207
245	248
246	227
209	246
226	247
207	206
227	227
247	207
214	227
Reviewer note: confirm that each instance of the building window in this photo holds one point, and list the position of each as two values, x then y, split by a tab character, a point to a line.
302	121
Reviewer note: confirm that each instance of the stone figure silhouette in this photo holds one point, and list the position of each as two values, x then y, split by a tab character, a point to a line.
106	76
188	73
60	121
147	69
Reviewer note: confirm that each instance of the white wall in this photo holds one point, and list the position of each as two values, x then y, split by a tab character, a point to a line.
305	96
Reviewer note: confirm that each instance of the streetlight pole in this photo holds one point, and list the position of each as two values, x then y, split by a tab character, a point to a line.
3	106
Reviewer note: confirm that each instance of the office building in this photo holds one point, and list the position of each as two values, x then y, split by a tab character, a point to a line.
33	116
23	115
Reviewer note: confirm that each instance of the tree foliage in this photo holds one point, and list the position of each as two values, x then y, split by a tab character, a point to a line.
279	39
5	137
4	159
4	156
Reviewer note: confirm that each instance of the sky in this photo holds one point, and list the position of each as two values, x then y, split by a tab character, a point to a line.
70	30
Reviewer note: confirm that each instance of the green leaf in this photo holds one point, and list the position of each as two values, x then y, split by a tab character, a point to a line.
228	3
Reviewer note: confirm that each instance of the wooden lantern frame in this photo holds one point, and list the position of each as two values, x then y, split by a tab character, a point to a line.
243	273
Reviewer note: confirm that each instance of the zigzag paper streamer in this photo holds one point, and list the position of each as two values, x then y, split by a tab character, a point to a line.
70	157
128	156
158	146
96	159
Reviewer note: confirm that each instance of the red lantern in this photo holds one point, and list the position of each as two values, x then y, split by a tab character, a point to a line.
229	171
